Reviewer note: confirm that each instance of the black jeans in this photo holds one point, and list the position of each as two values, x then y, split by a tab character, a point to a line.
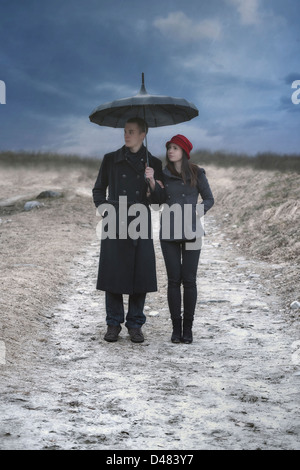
115	314
181	265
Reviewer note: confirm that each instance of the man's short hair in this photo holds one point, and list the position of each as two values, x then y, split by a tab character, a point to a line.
143	126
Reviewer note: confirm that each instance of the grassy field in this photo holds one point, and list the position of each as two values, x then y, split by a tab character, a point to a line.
261	161
8	158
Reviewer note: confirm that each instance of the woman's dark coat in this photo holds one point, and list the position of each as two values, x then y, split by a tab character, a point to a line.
180	193
127	266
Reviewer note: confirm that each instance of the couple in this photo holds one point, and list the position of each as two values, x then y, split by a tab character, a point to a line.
127	266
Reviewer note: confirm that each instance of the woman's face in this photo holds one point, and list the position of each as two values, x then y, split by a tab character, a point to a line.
175	153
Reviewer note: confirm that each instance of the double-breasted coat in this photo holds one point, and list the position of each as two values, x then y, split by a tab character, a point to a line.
182	194
127	266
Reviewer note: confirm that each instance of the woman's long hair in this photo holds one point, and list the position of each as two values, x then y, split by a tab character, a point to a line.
188	170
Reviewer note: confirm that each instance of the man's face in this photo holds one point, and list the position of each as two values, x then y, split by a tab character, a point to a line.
133	136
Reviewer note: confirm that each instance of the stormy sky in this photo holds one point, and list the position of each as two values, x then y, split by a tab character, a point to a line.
236	60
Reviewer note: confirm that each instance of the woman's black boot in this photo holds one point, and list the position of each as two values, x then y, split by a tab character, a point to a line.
187	335
177	330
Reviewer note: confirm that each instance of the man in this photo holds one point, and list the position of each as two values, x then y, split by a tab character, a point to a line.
127	266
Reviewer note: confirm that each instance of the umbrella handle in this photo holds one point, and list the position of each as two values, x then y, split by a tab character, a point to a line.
151	179
147	159
147	155
146	143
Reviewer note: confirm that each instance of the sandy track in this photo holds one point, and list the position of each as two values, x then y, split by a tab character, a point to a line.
64	387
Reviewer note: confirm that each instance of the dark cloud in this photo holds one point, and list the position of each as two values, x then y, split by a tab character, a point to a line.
62	59
286	104
291	77
258	124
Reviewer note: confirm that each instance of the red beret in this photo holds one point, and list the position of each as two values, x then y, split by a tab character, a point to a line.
183	142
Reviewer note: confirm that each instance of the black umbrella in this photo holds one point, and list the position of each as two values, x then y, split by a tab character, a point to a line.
156	110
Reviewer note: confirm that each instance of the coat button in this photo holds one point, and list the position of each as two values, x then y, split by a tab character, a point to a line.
124	191
138	176
137	193
124	176
183	195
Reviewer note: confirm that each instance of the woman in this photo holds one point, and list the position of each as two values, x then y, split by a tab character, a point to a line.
184	182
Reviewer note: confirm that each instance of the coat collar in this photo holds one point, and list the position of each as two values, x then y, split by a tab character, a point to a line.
167	173
122	152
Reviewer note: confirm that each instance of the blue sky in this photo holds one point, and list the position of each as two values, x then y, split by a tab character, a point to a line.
235	60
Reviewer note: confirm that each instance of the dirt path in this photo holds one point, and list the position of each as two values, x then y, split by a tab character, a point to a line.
236	387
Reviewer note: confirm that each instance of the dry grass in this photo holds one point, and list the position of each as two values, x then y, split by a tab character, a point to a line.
46	160
262	161
260	211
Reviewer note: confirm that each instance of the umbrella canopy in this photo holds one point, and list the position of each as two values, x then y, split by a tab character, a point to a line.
156	110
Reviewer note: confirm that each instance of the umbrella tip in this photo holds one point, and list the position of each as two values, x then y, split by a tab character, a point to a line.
143	89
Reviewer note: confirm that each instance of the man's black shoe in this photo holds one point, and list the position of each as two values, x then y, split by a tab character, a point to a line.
112	333
136	335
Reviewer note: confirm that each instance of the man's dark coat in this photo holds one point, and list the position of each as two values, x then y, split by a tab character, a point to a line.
127	266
